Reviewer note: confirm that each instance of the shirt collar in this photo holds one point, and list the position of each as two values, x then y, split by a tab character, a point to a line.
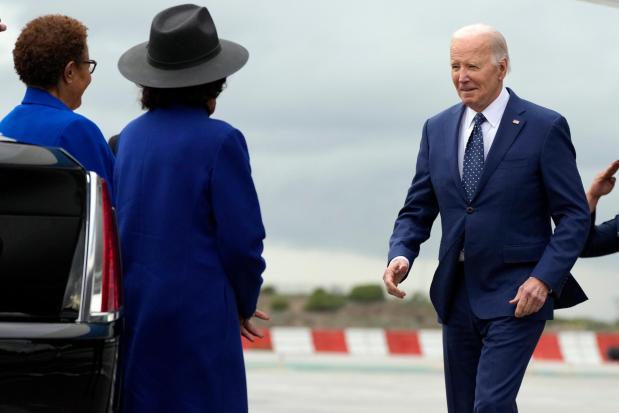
36	96
493	112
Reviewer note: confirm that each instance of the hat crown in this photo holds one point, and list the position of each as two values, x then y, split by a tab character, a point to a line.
182	36
183	51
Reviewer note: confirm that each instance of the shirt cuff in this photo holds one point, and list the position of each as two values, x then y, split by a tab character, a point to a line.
400	257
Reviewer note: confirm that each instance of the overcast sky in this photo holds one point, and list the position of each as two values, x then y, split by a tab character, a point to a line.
332	103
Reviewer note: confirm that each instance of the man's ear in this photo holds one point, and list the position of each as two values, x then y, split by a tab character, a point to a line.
503	69
68	75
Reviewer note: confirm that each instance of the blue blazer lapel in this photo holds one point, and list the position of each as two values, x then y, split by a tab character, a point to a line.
452	132
509	128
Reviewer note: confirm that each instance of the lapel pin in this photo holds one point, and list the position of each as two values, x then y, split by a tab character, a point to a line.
516	122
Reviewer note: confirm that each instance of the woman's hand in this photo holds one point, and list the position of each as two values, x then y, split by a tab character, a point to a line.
248	330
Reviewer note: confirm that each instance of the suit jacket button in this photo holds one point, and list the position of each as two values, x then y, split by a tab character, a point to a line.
470	210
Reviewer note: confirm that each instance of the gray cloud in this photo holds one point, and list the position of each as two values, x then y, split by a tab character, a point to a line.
336	92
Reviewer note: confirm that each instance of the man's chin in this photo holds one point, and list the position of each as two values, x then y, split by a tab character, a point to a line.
467	100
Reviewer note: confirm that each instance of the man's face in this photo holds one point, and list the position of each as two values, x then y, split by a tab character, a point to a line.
477	78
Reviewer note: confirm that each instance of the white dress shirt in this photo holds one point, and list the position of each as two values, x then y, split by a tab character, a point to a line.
493	114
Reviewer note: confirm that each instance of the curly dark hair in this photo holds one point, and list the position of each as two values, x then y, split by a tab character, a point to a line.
193	96
45	46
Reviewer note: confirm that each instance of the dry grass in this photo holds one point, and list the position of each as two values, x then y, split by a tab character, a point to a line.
410	314
387	314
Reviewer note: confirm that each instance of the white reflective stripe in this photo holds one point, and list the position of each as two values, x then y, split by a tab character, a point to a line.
366	341
292	340
431	343
579	347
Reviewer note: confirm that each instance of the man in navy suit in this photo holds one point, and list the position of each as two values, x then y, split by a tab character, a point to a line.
604	238
498	169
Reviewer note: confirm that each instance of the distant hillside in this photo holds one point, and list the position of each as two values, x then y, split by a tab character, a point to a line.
341	311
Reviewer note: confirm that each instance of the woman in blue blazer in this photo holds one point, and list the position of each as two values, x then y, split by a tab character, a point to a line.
604	238
189	222
51	58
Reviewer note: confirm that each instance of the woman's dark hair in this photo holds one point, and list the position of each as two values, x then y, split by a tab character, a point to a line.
193	96
45	46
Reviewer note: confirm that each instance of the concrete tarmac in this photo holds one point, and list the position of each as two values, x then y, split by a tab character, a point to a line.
347	384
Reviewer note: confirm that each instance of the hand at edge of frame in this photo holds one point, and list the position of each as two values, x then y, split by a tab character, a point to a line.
602	184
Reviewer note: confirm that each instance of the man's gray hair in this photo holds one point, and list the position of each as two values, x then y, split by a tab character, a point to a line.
498	44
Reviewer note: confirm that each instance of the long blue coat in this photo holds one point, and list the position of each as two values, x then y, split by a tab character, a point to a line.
191	236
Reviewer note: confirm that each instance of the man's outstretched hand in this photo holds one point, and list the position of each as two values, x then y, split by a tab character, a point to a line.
394	274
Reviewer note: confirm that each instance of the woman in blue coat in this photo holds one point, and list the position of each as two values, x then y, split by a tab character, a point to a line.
189	222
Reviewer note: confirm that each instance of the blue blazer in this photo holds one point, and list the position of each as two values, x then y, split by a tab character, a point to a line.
529	178
42	119
603	239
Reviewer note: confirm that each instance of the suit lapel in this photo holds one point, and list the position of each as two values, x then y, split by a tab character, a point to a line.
452	132
509	128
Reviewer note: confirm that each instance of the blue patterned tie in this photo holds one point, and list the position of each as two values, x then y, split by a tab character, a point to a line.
473	158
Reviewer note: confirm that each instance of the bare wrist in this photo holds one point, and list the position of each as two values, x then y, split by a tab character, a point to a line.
592	200
593	195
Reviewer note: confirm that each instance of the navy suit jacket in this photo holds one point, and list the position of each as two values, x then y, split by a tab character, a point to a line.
603	239
529	178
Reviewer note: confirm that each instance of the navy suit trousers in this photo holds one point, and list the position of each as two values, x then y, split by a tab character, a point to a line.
485	360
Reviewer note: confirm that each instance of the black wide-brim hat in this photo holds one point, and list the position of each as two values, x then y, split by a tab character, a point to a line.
184	50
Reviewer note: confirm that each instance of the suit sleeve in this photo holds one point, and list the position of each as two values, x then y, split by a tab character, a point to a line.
240	232
414	222
84	141
567	205
603	239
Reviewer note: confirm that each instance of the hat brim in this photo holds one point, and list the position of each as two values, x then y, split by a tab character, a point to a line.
134	65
